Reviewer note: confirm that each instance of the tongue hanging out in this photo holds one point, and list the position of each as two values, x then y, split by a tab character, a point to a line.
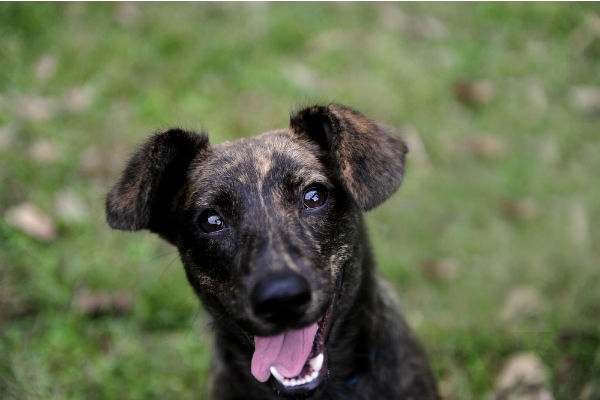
288	352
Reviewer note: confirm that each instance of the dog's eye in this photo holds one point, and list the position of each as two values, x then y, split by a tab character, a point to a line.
210	221
314	196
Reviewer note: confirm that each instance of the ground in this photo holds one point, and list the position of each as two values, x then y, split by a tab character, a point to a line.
492	241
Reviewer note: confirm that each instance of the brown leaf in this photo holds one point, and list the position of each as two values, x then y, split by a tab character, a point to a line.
98	303
444	269
474	92
489	147
524	209
29	219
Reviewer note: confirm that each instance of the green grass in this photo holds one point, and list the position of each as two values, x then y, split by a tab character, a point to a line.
238	70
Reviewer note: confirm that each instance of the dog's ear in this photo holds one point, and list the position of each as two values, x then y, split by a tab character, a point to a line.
144	196
368	157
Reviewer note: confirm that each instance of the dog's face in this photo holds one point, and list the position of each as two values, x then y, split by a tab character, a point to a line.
267	227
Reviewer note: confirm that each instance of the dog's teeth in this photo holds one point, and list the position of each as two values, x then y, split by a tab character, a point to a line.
277	375
315	365
317	362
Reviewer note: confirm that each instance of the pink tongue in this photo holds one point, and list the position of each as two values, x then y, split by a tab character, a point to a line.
288	352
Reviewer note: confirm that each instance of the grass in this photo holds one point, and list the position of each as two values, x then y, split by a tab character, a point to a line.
522	217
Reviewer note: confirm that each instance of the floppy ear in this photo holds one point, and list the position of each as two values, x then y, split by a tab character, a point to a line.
368	157
143	198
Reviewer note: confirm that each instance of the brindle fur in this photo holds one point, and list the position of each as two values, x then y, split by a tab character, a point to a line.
256	185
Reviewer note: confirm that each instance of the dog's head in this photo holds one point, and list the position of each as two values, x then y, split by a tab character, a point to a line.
268	228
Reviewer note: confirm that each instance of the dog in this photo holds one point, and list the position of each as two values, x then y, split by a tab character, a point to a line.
271	234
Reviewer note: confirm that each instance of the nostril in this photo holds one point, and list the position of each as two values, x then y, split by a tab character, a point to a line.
281	299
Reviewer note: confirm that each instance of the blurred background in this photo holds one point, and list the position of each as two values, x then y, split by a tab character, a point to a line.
492	241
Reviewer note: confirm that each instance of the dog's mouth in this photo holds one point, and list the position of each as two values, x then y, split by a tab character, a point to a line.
296	359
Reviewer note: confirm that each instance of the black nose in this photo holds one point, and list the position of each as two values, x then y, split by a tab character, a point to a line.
281	299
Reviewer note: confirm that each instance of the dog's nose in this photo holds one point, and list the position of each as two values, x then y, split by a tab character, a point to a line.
281	299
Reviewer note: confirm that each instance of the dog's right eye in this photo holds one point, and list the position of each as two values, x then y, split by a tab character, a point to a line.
210	221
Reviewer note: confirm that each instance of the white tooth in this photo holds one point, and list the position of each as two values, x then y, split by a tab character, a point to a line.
317	362
277	375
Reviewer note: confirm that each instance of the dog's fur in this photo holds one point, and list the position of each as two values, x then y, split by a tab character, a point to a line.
257	186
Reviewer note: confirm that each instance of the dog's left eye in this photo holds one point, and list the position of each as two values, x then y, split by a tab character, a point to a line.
314	196
210	221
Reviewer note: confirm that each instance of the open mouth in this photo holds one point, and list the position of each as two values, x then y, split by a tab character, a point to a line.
296	359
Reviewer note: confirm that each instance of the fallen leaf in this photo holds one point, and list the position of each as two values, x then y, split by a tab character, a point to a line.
578	229
416	147
522	304
524	209
536	97
586	99
523	377
45	67
29	219
428	27
78	99
44	151
591	391
6	136
98	303
392	17
102	162
127	13
549	151
69	207
302	75
35	108
474	92
444	269
489	147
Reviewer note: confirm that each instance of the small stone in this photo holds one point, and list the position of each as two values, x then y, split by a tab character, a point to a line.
29	219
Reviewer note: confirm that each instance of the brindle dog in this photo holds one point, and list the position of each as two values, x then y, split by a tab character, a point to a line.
271	234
